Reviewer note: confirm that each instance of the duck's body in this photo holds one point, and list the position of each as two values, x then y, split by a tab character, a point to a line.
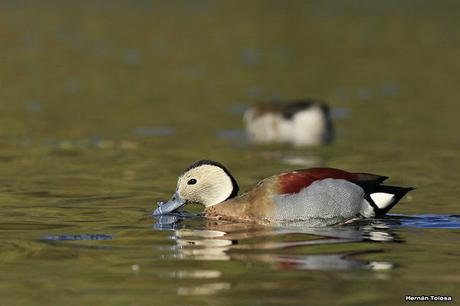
300	123
317	193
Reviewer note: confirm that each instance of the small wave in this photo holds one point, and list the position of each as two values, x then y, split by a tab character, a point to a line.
78	237
425	221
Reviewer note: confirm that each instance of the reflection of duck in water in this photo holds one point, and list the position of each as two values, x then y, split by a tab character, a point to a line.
221	240
325	195
300	123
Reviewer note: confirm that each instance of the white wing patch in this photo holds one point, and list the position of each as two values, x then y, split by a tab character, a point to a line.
382	199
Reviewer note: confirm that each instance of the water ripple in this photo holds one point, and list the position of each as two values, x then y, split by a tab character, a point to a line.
425	221
78	237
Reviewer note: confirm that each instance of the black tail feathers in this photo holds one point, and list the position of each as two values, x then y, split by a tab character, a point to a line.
397	192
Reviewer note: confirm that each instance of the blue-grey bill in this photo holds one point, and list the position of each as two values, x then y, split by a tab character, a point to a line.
173	204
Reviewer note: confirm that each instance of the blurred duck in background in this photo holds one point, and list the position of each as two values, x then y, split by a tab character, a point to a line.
298	122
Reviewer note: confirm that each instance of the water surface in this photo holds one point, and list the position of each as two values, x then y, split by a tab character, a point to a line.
103	105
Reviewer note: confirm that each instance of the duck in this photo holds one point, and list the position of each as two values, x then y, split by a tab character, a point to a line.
297	122
328	194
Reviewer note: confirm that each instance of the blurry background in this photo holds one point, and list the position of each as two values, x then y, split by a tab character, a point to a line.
172	76
104	103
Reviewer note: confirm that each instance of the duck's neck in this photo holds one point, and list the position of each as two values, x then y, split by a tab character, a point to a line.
231	209
253	206
241	209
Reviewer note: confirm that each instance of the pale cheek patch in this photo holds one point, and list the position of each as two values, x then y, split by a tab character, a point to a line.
382	199
213	185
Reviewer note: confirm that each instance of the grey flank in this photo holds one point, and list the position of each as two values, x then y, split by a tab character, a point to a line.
333	199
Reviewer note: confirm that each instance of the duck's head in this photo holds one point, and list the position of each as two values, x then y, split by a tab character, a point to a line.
205	182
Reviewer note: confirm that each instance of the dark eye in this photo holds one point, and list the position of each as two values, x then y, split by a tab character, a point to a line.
191	182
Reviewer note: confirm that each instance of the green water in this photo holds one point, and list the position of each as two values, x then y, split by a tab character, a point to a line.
103	105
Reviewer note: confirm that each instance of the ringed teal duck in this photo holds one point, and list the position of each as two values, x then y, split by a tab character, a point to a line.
316	193
299	123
